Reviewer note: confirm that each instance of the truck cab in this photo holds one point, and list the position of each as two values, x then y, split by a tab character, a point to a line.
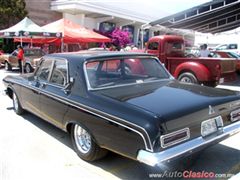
208	71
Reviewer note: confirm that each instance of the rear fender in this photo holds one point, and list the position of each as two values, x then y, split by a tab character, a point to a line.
201	72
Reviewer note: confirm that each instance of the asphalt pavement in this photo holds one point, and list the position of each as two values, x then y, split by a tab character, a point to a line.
32	149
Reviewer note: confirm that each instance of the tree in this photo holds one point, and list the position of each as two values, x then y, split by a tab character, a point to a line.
11	12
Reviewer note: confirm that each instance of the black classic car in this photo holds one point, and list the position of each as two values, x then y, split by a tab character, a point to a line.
127	103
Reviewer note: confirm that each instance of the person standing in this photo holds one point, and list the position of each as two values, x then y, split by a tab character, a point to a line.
20	57
204	52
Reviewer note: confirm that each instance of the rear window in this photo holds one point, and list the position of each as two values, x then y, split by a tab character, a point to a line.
122	72
153	46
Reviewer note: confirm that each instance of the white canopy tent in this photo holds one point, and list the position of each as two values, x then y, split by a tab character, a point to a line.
25	29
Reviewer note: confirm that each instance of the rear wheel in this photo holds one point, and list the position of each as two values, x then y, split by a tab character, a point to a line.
188	77
16	105
84	144
8	67
28	68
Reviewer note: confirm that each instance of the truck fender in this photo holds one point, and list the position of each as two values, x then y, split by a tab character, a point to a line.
201	72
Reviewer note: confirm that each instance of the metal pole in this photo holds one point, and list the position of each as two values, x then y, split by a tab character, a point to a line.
21	39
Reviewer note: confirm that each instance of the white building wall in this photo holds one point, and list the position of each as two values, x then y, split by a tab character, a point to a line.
78	18
90	23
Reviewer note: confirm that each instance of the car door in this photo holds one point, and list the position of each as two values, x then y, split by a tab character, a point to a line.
53	96
13	60
31	93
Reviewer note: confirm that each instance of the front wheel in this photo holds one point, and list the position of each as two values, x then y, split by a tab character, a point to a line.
188	78
84	145
16	105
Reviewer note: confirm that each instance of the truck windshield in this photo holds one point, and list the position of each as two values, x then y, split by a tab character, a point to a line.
122	72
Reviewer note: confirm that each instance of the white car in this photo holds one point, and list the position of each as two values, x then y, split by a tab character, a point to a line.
233	47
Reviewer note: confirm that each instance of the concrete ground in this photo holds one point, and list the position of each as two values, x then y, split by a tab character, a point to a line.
32	149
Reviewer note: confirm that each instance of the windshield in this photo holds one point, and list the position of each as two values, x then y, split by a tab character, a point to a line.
33	52
121	72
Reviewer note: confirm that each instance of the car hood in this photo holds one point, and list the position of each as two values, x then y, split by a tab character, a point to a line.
170	99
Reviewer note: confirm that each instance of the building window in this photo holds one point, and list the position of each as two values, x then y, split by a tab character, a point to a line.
130	30
106	27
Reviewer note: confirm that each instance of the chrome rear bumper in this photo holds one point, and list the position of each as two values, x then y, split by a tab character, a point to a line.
186	148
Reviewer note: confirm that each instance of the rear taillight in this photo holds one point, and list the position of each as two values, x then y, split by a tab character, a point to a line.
174	137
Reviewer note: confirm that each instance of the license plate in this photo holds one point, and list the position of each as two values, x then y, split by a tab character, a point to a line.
221	80
208	127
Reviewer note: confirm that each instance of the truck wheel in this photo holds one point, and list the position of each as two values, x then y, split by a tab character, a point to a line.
84	145
188	77
8	67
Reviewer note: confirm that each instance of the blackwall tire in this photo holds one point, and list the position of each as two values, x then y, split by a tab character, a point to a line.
16	105
8	67
188	77
84	145
28	68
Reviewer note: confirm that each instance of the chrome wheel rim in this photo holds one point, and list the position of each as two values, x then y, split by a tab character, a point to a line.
15	102
82	139
186	80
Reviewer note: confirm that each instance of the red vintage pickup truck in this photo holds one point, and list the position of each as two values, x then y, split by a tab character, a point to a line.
208	71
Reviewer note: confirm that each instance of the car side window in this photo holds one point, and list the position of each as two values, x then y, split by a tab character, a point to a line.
44	70
59	74
232	46
153	46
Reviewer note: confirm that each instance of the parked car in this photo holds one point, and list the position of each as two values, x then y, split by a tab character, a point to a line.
226	54
232	47
11	60
2	58
127	103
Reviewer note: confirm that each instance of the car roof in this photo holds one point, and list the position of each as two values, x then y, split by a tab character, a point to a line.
89	55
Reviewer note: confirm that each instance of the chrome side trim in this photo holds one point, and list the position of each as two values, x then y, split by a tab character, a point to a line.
163	145
186	148
147	142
